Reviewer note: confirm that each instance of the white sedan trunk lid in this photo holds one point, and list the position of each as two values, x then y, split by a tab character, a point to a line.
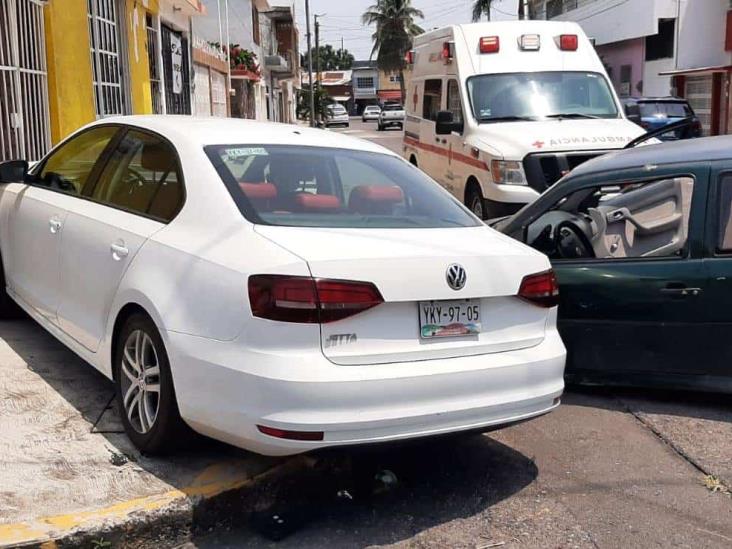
409	266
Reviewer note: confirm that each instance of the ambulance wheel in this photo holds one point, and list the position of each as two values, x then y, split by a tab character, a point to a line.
474	200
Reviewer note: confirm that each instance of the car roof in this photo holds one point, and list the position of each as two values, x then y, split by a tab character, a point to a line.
674	152
203	131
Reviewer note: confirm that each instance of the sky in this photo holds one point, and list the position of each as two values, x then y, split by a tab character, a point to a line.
342	19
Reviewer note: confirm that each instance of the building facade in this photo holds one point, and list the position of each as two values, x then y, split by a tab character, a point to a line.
660	48
365	84
65	63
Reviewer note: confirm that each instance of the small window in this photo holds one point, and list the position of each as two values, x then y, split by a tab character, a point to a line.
70	167
432	99
647	219
724	241
142	176
454	105
661	45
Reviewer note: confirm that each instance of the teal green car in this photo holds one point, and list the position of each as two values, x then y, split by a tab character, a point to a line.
641	242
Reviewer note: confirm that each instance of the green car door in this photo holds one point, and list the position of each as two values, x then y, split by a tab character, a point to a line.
631	307
714	349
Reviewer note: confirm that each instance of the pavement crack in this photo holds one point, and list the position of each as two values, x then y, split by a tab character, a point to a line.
671	444
101	414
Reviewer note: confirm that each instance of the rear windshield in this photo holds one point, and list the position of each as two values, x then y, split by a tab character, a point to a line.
324	187
393	108
338	109
664	109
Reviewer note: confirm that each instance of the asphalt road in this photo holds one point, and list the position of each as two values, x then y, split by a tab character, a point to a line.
609	468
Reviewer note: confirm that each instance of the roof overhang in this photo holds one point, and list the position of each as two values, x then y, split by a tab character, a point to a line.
697	70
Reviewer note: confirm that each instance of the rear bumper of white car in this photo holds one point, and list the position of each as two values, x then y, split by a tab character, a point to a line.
356	404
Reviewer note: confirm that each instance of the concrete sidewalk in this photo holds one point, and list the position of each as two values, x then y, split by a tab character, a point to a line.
68	472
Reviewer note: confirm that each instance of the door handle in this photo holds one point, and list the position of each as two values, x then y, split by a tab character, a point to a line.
54	224
119	251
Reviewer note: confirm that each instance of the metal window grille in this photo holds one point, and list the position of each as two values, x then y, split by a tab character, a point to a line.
153	54
24	129
106	53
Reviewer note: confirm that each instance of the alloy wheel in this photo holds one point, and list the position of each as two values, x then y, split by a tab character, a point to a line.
140	381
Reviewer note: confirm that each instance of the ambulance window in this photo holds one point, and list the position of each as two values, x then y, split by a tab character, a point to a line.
432	99
453	101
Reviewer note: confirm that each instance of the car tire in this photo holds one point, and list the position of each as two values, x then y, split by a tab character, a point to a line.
474	201
150	418
8	308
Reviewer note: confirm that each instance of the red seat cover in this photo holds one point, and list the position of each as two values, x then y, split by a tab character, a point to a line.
307	202
259	191
375	198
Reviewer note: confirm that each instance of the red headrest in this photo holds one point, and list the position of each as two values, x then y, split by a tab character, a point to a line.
259	191
370	196
316	202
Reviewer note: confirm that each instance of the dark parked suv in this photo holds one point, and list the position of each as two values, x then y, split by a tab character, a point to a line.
655	112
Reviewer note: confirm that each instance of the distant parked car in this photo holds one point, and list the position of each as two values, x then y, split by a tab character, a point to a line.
652	113
336	115
641	243
371	113
391	115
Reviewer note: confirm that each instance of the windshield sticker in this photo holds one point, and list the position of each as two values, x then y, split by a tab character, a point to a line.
235	154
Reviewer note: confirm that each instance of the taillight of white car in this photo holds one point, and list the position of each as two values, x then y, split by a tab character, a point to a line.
309	300
540	289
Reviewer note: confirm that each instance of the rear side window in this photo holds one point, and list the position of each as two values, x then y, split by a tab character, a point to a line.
432	99
143	177
724	240
664	109
324	187
70	167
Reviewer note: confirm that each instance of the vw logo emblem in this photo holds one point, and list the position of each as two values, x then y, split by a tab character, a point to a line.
456	276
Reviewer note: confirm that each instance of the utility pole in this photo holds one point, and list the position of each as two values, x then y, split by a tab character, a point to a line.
525	4
317	51
310	66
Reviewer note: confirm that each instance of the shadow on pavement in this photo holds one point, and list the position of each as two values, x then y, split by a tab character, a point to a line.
688	404
385	494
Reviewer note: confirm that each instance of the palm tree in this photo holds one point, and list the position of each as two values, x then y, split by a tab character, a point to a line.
395	30
483	7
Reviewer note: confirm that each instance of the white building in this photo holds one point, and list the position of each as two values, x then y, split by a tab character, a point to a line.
660	48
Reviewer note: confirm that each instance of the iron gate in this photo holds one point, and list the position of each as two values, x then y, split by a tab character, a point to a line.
107	53
176	71
24	128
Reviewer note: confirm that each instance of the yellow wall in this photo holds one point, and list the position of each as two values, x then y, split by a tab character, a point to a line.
70	88
70	92
385	84
138	62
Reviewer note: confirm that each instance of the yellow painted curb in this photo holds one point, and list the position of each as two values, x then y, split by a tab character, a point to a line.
212	481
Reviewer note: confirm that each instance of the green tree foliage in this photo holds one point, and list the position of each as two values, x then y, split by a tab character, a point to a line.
331	59
395	30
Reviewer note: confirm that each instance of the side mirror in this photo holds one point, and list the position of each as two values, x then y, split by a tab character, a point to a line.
445	123
13	171
632	112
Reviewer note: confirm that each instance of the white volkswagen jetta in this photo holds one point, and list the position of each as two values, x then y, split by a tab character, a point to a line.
278	288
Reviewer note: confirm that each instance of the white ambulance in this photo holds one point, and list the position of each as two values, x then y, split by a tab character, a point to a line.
498	112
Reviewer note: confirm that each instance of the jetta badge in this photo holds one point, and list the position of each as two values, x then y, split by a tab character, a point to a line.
456	276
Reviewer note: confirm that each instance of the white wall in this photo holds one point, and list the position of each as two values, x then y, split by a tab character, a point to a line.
701	34
653	84
611	21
